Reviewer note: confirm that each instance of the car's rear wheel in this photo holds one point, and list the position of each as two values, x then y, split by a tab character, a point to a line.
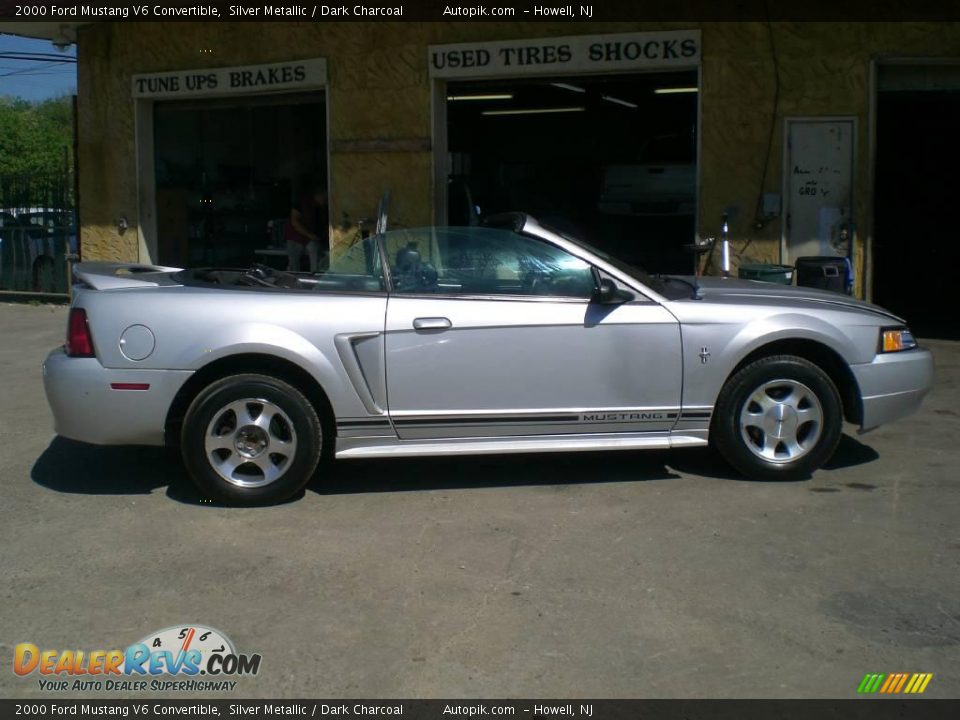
778	418
251	440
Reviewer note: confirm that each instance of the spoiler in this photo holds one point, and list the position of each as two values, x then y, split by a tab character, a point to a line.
114	276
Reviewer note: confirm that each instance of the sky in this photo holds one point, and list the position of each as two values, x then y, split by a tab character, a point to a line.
34	80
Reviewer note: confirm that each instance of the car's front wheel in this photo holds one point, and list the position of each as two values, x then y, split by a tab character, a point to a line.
251	440
778	418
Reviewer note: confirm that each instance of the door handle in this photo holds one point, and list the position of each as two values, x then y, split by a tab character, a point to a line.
432	323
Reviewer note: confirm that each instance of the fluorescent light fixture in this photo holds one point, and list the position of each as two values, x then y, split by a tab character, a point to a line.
674	90
571	88
618	101
534	111
493	96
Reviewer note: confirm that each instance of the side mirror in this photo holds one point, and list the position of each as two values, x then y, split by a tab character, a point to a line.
607	293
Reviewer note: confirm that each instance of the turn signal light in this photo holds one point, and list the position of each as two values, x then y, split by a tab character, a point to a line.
896	339
79	339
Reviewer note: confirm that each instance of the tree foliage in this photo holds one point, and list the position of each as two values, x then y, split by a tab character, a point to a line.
35	137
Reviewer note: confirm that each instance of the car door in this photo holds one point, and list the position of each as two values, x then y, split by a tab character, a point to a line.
493	333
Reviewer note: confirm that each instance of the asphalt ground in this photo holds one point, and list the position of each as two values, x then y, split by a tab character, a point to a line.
575	575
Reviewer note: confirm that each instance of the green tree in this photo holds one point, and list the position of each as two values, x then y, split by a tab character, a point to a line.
35	136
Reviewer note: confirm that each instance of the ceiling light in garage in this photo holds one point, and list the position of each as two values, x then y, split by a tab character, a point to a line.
618	101
534	111
674	90
495	96
572	88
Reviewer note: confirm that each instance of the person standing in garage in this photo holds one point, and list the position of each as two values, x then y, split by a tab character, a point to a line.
306	229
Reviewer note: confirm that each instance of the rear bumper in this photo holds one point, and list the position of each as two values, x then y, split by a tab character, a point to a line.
893	385
86	408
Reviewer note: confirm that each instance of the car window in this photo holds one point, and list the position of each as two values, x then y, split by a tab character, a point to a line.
357	269
483	261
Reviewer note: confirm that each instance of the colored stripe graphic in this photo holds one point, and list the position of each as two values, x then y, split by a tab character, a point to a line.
894	683
900	682
870	683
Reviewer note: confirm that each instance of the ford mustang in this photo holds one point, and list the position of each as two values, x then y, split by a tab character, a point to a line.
500	338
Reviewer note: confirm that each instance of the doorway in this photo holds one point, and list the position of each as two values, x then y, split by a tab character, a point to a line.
915	247
227	172
610	158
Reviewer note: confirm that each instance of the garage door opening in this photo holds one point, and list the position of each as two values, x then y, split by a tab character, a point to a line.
915	246
228	172
612	158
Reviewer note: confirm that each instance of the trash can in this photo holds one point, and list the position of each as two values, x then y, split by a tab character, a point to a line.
825	273
766	272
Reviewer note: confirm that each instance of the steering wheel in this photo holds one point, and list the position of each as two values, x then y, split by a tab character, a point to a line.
541	283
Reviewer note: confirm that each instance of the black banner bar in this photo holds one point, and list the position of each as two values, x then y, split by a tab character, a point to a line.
853	709
484	11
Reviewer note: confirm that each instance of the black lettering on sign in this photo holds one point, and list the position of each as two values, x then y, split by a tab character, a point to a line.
198	81
460	58
168	83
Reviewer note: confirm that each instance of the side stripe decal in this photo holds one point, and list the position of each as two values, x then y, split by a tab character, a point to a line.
586	417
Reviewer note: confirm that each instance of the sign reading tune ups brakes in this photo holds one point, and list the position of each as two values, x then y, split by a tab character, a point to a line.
578	54
293	75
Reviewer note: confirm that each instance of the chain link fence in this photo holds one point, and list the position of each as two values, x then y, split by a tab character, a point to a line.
38	232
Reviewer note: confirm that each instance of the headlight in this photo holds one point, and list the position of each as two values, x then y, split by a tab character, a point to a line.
896	339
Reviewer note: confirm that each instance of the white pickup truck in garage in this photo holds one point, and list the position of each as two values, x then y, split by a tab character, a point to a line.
662	182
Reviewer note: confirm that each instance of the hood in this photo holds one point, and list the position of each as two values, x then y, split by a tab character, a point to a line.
718	289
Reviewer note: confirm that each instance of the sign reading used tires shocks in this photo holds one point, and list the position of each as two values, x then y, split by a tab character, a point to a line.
576	54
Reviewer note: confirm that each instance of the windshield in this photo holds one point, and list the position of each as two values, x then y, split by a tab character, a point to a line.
670	288
633	270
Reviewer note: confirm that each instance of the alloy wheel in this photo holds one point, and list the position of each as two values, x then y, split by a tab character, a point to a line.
250	442
781	421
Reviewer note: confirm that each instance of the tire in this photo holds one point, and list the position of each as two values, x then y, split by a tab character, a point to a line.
236	454
778	418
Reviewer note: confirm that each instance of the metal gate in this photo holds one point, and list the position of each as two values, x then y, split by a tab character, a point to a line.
38	230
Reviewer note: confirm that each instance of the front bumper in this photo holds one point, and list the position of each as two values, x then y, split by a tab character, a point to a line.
86	408
893	385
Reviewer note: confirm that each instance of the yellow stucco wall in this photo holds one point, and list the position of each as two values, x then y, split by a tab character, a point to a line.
379	89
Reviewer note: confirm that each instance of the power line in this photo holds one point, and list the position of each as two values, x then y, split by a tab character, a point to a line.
29	70
39	57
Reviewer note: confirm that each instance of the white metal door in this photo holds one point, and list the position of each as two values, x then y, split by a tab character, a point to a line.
818	186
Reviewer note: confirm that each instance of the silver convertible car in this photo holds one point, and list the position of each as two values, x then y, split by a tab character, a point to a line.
502	338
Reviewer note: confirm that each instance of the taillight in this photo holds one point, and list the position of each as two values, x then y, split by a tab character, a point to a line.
79	339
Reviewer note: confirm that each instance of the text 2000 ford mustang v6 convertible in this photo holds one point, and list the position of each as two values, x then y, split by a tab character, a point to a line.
503	338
